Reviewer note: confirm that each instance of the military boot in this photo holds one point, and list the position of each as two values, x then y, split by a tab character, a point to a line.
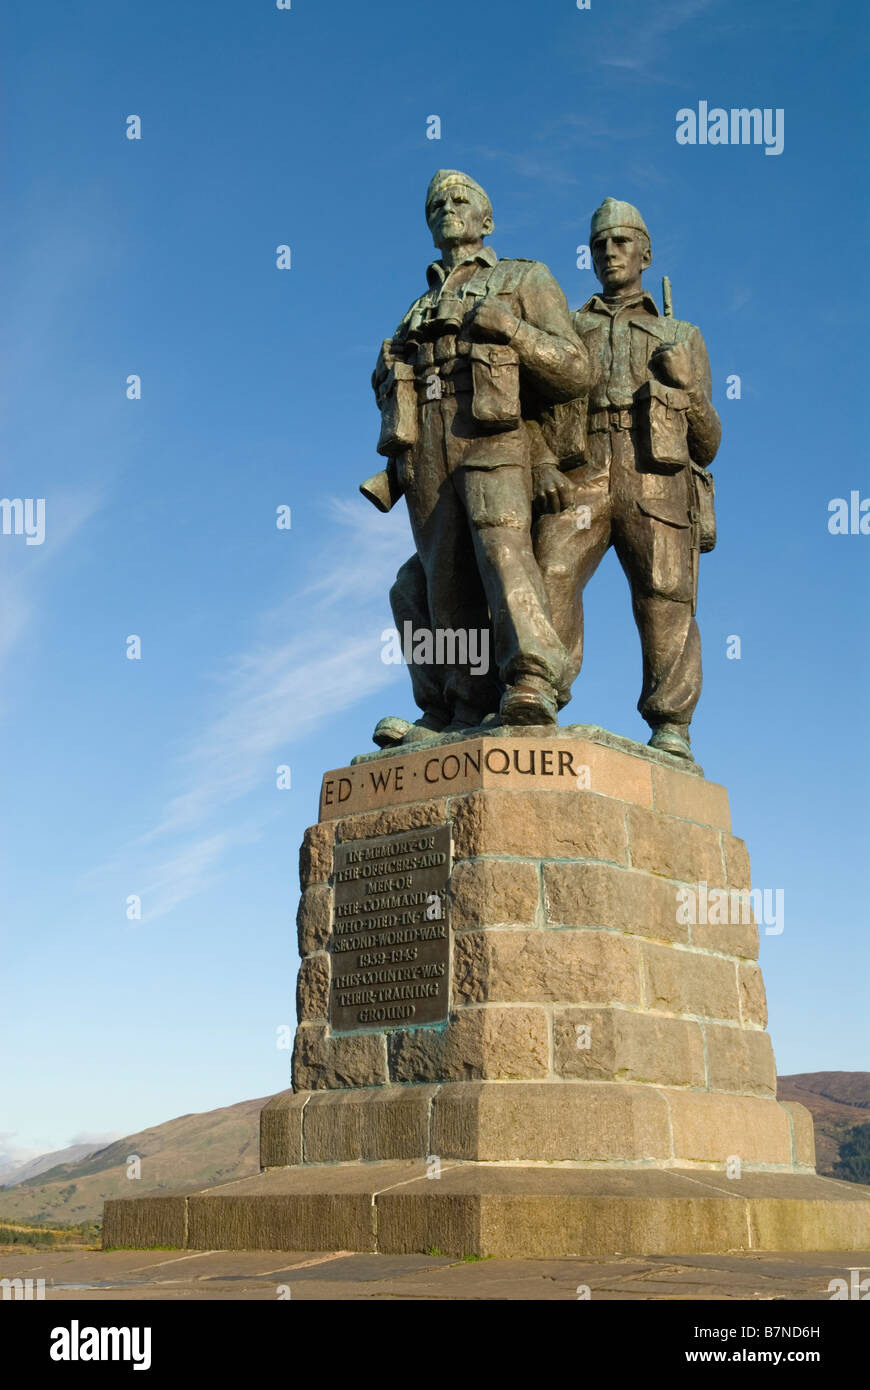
531	701
673	739
392	730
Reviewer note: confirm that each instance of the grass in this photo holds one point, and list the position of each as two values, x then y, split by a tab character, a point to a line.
56	1236
463	1259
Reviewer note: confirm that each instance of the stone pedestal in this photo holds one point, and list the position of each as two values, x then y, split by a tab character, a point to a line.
598	1076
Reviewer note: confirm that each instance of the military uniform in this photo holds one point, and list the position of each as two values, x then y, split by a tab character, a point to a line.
645	507
466	471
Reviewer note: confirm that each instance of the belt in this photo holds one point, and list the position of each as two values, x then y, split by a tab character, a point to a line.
610	417
450	386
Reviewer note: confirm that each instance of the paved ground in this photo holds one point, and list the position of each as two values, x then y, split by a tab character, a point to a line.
138	1275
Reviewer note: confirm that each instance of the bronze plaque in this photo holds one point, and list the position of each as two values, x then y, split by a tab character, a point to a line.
390	943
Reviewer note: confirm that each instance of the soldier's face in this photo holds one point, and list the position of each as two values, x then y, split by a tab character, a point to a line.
457	216
620	256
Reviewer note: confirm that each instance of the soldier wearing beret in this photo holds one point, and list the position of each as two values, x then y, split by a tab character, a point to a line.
640	484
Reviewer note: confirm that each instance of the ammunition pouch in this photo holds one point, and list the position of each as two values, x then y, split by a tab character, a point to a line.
397	399
495	375
705	511
662	427
671	510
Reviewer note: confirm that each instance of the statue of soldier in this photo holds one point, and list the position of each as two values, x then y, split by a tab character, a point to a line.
461	386
641	484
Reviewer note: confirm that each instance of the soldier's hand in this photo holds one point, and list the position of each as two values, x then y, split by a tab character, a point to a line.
493	322
552	490
382	368
673	364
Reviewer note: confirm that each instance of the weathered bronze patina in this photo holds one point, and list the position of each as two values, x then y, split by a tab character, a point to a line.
462	385
641	484
390	939
526	445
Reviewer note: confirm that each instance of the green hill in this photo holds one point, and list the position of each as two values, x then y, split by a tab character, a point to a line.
184	1154
838	1101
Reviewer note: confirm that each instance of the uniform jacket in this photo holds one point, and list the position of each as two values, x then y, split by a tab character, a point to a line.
621	341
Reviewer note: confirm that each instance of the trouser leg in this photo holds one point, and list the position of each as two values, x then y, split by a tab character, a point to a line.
671	646
657	560
410	605
569	546
456	605
498	504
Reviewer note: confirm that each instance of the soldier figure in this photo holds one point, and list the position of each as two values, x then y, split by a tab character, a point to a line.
461	386
652	431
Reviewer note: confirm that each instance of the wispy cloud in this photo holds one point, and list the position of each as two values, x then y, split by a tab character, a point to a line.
55	280
15	1157
168	881
99	1138
311	657
12	1156
739	299
321	655
639	46
26	571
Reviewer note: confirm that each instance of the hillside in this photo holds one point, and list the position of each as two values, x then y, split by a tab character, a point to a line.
837	1100
183	1154
200	1150
20	1172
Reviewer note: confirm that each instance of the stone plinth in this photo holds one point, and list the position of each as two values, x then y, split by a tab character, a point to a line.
600	1075
505	1210
590	1020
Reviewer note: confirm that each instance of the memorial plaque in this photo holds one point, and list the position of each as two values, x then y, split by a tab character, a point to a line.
390	943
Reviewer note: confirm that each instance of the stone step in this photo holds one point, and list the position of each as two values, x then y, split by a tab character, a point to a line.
500	1210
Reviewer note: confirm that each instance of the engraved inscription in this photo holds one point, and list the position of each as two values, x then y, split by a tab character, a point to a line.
390	943
518	763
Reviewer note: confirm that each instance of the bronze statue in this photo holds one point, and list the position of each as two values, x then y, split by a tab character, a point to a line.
462	385
517	484
641	483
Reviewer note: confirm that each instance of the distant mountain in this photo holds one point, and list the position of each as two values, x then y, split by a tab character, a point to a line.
19	1172
201	1150
837	1100
184	1154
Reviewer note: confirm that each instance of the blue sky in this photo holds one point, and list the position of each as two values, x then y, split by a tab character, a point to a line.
262	647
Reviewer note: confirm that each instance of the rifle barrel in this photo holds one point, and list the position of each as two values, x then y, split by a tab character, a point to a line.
667	298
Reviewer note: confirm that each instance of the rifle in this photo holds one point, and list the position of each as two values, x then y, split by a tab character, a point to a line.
694	511
667	298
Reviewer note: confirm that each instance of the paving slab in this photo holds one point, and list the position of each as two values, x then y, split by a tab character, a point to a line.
145	1276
